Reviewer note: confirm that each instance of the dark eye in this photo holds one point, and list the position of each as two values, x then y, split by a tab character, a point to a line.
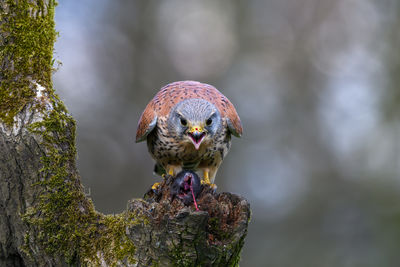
183	122
209	122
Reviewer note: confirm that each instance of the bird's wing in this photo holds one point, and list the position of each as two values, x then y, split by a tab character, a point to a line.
228	111
146	123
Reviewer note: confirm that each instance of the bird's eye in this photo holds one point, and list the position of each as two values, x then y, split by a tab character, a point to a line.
209	122
183	122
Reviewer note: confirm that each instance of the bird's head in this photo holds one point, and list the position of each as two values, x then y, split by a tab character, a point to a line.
195	121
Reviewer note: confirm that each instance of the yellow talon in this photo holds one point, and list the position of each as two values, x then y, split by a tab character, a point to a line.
155	186
213	186
207	181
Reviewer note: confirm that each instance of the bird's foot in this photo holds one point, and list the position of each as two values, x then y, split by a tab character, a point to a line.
155	186
208	183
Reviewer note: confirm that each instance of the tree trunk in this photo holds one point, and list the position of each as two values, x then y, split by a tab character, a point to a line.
45	217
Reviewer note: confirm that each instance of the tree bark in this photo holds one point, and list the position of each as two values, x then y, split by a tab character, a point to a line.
45	217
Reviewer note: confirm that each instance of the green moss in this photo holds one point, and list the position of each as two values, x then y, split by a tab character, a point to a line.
64	221
215	229
26	51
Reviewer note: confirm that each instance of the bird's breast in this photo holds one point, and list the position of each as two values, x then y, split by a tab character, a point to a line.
168	148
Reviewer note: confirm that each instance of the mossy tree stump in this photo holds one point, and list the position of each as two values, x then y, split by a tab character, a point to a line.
45	217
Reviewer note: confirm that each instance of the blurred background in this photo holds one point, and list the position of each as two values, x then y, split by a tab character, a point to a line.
315	83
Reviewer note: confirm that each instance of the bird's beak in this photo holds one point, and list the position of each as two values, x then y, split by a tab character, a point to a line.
197	134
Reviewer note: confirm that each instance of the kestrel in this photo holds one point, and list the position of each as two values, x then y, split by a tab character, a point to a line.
188	125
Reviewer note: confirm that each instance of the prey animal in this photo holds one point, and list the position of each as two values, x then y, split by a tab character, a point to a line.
188	126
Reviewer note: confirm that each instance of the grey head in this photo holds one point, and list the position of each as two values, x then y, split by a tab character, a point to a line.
195	120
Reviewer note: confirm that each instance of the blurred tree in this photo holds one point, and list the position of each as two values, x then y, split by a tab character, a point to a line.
391	54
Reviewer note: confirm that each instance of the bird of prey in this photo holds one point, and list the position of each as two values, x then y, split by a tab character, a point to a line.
188	126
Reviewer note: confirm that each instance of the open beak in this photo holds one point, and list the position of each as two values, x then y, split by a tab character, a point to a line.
196	134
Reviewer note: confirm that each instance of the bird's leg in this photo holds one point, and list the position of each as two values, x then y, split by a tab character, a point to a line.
173	169
206	179
170	171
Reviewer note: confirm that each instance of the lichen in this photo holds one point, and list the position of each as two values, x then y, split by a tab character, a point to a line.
63	221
